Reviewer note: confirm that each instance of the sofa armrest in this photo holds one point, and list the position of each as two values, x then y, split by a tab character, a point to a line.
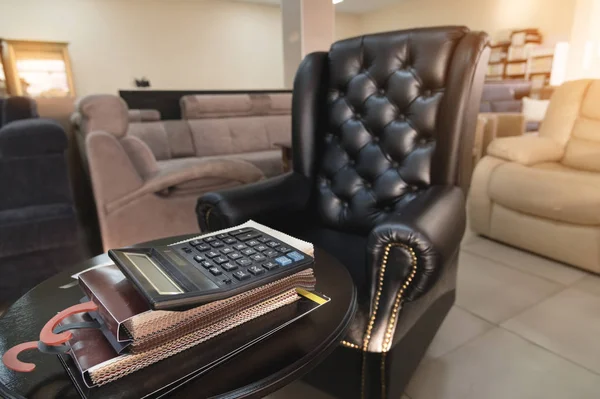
197	169
526	150
31	137
266	201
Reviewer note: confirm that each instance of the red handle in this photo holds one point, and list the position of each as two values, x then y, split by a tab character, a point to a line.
49	338
11	361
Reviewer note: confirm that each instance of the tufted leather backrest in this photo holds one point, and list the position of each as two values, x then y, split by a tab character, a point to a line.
391	111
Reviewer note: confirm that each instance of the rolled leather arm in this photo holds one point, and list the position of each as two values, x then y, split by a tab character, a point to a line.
425	235
406	254
265	202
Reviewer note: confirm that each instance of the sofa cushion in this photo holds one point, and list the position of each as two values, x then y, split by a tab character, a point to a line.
155	137
239	135
235	105
269	162
550	191
584	146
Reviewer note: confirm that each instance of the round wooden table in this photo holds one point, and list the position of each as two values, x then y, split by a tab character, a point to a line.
262	369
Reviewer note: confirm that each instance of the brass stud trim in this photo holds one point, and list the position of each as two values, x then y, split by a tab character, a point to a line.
391	322
350	345
206	216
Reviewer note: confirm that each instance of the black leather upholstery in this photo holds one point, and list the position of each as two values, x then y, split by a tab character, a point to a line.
18	108
379	124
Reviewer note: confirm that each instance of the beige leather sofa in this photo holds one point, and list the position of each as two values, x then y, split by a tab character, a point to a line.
146	176
542	192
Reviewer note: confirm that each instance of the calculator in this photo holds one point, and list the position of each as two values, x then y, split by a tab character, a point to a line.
206	269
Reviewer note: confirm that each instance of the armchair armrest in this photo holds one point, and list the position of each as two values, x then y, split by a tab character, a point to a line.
264	201
31	137
195	169
526	150
407	253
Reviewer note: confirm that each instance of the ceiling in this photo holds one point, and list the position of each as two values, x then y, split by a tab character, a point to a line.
352	6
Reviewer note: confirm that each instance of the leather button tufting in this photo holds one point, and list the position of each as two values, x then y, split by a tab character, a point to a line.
375	139
381	91
357	115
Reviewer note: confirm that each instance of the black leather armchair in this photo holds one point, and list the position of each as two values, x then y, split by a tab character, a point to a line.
379	124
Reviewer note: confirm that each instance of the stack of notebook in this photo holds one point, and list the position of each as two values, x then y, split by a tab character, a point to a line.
135	342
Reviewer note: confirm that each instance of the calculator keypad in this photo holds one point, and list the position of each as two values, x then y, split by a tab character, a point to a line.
239	255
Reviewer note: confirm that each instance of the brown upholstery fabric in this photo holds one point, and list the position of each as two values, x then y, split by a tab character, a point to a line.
103	112
235	105
141	156
269	162
180	139
155	137
144	115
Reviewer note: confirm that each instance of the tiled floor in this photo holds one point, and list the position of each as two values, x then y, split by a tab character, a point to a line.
523	327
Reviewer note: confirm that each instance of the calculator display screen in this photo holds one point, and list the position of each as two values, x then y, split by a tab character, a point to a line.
153	274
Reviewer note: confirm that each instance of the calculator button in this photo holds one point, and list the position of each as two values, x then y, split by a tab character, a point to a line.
198	258
229	241
187	250
227	250
252	243
273	244
227	281
203	247
195	242
214	271
222	236
220	259
217	244
263	239
206	264
234	255
240	231
283	260
239	247
270	265
210	239
248	251
241	275
259	257
261	247
283	249
271	253
295	256
248	236
212	254
229	267
244	262
256	270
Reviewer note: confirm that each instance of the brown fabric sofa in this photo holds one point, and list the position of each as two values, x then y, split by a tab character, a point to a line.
146	176
541	193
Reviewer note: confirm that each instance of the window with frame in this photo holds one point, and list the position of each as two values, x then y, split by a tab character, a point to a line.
37	69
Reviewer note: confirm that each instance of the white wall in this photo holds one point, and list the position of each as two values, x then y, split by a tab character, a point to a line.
177	44
347	25
554	18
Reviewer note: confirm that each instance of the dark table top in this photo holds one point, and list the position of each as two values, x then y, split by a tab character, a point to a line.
262	369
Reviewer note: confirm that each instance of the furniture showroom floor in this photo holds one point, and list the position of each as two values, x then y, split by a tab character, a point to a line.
523	327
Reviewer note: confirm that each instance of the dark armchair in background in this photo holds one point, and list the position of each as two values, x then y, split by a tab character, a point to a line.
38	223
380	125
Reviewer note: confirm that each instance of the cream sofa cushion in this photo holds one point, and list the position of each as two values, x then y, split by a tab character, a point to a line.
526	150
555	193
584	146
